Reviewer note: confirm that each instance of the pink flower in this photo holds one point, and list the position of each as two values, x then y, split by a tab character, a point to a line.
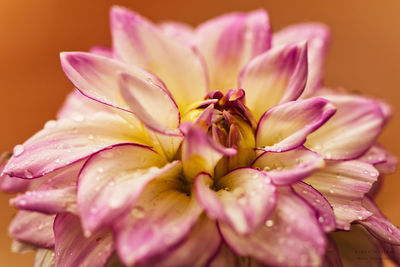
211	146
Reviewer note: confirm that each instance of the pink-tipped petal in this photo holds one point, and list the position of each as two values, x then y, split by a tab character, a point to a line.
52	193
9	184
33	228
77	104
200	153
68	140
72	248
245	198
102	51
288	167
378	225
230	41
315	199
353	129
200	246
344	184
317	37
106	192
161	219
276	76
177	30
151	104
290	237
287	126
381	158
138	42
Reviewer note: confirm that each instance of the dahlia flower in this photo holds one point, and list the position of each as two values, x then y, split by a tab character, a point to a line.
212	146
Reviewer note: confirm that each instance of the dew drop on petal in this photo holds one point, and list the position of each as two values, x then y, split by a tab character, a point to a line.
269	223
137	212
18	150
28	174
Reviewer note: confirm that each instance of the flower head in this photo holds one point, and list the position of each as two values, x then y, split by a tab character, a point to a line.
191	147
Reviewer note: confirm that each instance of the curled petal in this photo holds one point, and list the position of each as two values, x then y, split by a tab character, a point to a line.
344	184
200	153
33	228
290	237
245	198
138	42
104	192
161	219
228	42
68	140
318	39
289	167
72	248
52	193
276	76
287	126
351	131
202	244
378	225
151	104
324	210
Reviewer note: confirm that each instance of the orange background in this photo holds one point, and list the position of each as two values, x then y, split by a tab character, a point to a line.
365	56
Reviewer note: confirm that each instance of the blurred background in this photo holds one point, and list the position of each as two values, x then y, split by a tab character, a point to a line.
364	56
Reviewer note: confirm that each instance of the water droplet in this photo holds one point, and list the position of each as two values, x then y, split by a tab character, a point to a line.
91	137
138	212
269	223
28	174
321	219
18	150
50	124
331	191
22	202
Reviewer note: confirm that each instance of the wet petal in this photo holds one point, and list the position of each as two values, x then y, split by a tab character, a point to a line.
72	248
287	126
321	205
289	167
138	42
33	228
378	225
69	140
202	244
244	198
318	38
230	41
106	191
276	76
291	236
52	193
344	184
151	104
353	129
162	218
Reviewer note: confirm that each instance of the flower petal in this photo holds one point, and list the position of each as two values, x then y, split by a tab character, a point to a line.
72	248
69	140
226	258
315	199
318	39
344	184
287	126
151	104
12	185
378	225
77	104
102	51
112	180
177	30
245	198
162	218
351	131
138	42
52	193
288	167
202	244
200	153
44	258
381	158
33	228
290	237
276	76
228	42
